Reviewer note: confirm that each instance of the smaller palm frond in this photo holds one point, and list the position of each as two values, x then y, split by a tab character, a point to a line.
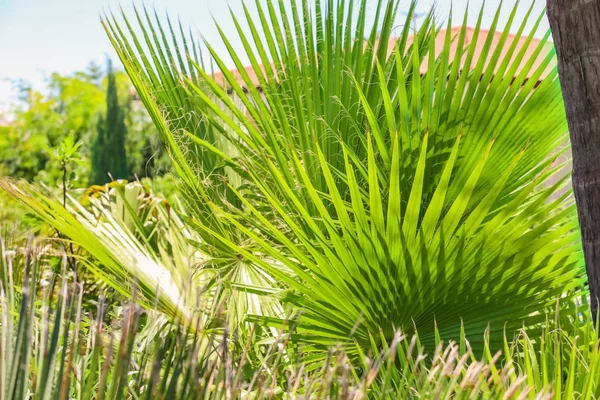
139	242
136	243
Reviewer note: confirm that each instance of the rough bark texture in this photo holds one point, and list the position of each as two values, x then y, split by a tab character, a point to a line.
575	28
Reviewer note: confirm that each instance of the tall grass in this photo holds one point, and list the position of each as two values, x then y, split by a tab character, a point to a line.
51	348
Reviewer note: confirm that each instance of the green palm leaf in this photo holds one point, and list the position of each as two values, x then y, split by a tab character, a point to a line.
402	183
387	182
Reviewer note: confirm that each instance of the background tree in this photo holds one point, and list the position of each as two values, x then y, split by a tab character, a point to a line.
108	152
576	31
71	106
42	119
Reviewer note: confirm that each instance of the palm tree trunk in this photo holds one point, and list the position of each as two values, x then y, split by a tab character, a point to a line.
575	28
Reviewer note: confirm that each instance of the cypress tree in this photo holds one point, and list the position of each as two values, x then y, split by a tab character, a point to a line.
108	152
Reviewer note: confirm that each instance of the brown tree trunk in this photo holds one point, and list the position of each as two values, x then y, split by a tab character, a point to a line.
575	28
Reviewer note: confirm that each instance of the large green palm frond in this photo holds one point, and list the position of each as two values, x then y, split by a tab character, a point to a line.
404	180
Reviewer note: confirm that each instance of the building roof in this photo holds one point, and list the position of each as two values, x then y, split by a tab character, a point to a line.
439	45
546	48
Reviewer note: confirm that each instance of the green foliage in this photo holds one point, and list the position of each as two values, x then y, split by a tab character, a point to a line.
66	152
71	108
43	123
354	201
398	198
51	349
109	157
66	156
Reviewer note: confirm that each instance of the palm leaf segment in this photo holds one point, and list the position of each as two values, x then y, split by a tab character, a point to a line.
401	187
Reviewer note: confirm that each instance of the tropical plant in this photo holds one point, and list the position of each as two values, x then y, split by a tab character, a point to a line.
399	196
384	184
135	239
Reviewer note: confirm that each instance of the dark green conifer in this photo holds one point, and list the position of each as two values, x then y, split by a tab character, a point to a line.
109	158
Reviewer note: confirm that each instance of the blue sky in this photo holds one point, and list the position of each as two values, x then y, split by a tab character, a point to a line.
38	37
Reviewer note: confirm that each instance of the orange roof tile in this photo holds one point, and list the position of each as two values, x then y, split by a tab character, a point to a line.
481	40
439	44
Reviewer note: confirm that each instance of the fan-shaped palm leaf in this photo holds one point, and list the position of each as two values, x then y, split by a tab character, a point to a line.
403	180
402	183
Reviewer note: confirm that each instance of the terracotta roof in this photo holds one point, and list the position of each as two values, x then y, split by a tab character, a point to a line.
482	38
439	44
220	78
